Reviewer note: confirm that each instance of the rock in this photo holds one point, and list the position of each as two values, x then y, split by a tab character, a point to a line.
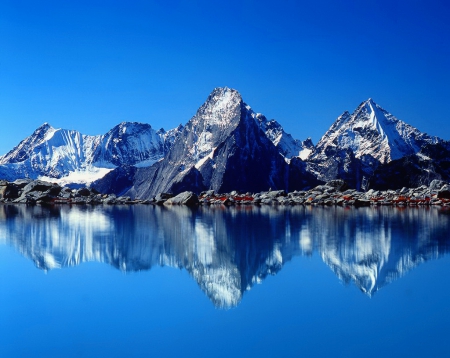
187	198
437	184
208	193
21	183
275	194
444	192
8	190
338	184
39	185
38	190
361	202
162	197
65	193
82	192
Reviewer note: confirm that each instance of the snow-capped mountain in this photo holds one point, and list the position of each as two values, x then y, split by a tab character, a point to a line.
222	148
227	146
67	156
373	132
49	152
358	143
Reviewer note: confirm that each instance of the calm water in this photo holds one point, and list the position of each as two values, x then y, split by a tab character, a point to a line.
146	281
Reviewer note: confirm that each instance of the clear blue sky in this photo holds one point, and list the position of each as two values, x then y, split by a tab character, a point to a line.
89	65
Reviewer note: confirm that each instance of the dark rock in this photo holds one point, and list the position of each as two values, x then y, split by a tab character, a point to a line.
338	184
38	185
21	183
8	190
444	192
361	202
300	177
82	192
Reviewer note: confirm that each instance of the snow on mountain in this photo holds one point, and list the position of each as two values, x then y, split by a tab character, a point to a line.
359	143
131	144
372	132
222	148
67	156
49	152
284	142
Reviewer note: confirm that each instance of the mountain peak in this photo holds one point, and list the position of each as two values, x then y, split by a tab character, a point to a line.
372	132
223	95
44	127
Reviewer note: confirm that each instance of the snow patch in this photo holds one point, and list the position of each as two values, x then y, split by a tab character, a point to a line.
85	177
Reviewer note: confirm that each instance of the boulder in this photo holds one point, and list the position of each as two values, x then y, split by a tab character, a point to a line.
187	198
82	192
275	194
338	184
39	185
38	190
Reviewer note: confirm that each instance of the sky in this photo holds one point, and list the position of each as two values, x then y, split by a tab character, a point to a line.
89	65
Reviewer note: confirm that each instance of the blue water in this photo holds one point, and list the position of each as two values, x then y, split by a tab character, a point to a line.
146	281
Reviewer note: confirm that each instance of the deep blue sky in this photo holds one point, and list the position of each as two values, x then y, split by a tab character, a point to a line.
89	65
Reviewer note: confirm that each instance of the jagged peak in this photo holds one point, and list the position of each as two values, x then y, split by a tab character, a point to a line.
308	143
44	127
221	94
369	106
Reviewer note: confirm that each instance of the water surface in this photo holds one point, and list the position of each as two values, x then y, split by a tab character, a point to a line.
240	281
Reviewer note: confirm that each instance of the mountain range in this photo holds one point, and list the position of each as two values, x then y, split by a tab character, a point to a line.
227	146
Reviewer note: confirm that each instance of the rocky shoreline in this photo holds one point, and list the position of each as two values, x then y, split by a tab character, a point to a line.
335	192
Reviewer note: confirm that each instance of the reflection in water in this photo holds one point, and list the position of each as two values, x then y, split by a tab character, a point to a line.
228	250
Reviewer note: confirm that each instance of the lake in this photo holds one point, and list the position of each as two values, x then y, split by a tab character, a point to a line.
150	281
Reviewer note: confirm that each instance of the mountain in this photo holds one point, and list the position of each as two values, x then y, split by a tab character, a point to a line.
227	146
285	143
430	163
67	156
358	143
224	147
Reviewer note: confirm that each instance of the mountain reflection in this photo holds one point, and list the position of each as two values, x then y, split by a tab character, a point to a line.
228	250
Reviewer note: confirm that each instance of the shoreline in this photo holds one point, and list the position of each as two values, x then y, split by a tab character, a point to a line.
333	193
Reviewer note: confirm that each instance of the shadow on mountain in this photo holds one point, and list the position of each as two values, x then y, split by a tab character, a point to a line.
228	250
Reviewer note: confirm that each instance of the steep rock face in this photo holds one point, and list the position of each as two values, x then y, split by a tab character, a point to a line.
117	181
356	144
285	143
432	162
222	148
